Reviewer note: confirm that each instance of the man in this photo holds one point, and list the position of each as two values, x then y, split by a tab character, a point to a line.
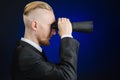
29	61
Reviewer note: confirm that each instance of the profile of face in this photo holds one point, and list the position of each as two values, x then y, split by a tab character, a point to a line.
44	30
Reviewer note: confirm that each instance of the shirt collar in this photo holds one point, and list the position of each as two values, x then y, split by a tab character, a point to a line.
32	43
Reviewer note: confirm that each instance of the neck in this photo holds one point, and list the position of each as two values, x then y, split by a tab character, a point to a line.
31	37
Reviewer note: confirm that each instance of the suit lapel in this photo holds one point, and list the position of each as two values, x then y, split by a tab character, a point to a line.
22	43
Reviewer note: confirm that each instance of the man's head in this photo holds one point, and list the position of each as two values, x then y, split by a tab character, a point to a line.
38	17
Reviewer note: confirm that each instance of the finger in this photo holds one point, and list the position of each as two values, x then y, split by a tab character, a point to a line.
67	20
63	19
59	20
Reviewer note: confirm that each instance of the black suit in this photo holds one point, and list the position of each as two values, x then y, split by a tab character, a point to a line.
30	64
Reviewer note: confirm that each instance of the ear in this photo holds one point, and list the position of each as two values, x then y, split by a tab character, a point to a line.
34	25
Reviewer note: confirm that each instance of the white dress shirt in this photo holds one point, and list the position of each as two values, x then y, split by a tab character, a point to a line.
66	36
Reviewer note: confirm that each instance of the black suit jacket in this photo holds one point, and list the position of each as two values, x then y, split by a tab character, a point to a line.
30	64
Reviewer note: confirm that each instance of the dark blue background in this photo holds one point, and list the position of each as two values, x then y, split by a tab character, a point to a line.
98	52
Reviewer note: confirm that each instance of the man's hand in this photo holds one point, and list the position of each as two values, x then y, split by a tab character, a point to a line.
64	26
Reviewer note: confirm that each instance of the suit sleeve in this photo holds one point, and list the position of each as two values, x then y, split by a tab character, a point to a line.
38	69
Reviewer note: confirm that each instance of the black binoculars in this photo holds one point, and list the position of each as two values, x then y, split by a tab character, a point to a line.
84	26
